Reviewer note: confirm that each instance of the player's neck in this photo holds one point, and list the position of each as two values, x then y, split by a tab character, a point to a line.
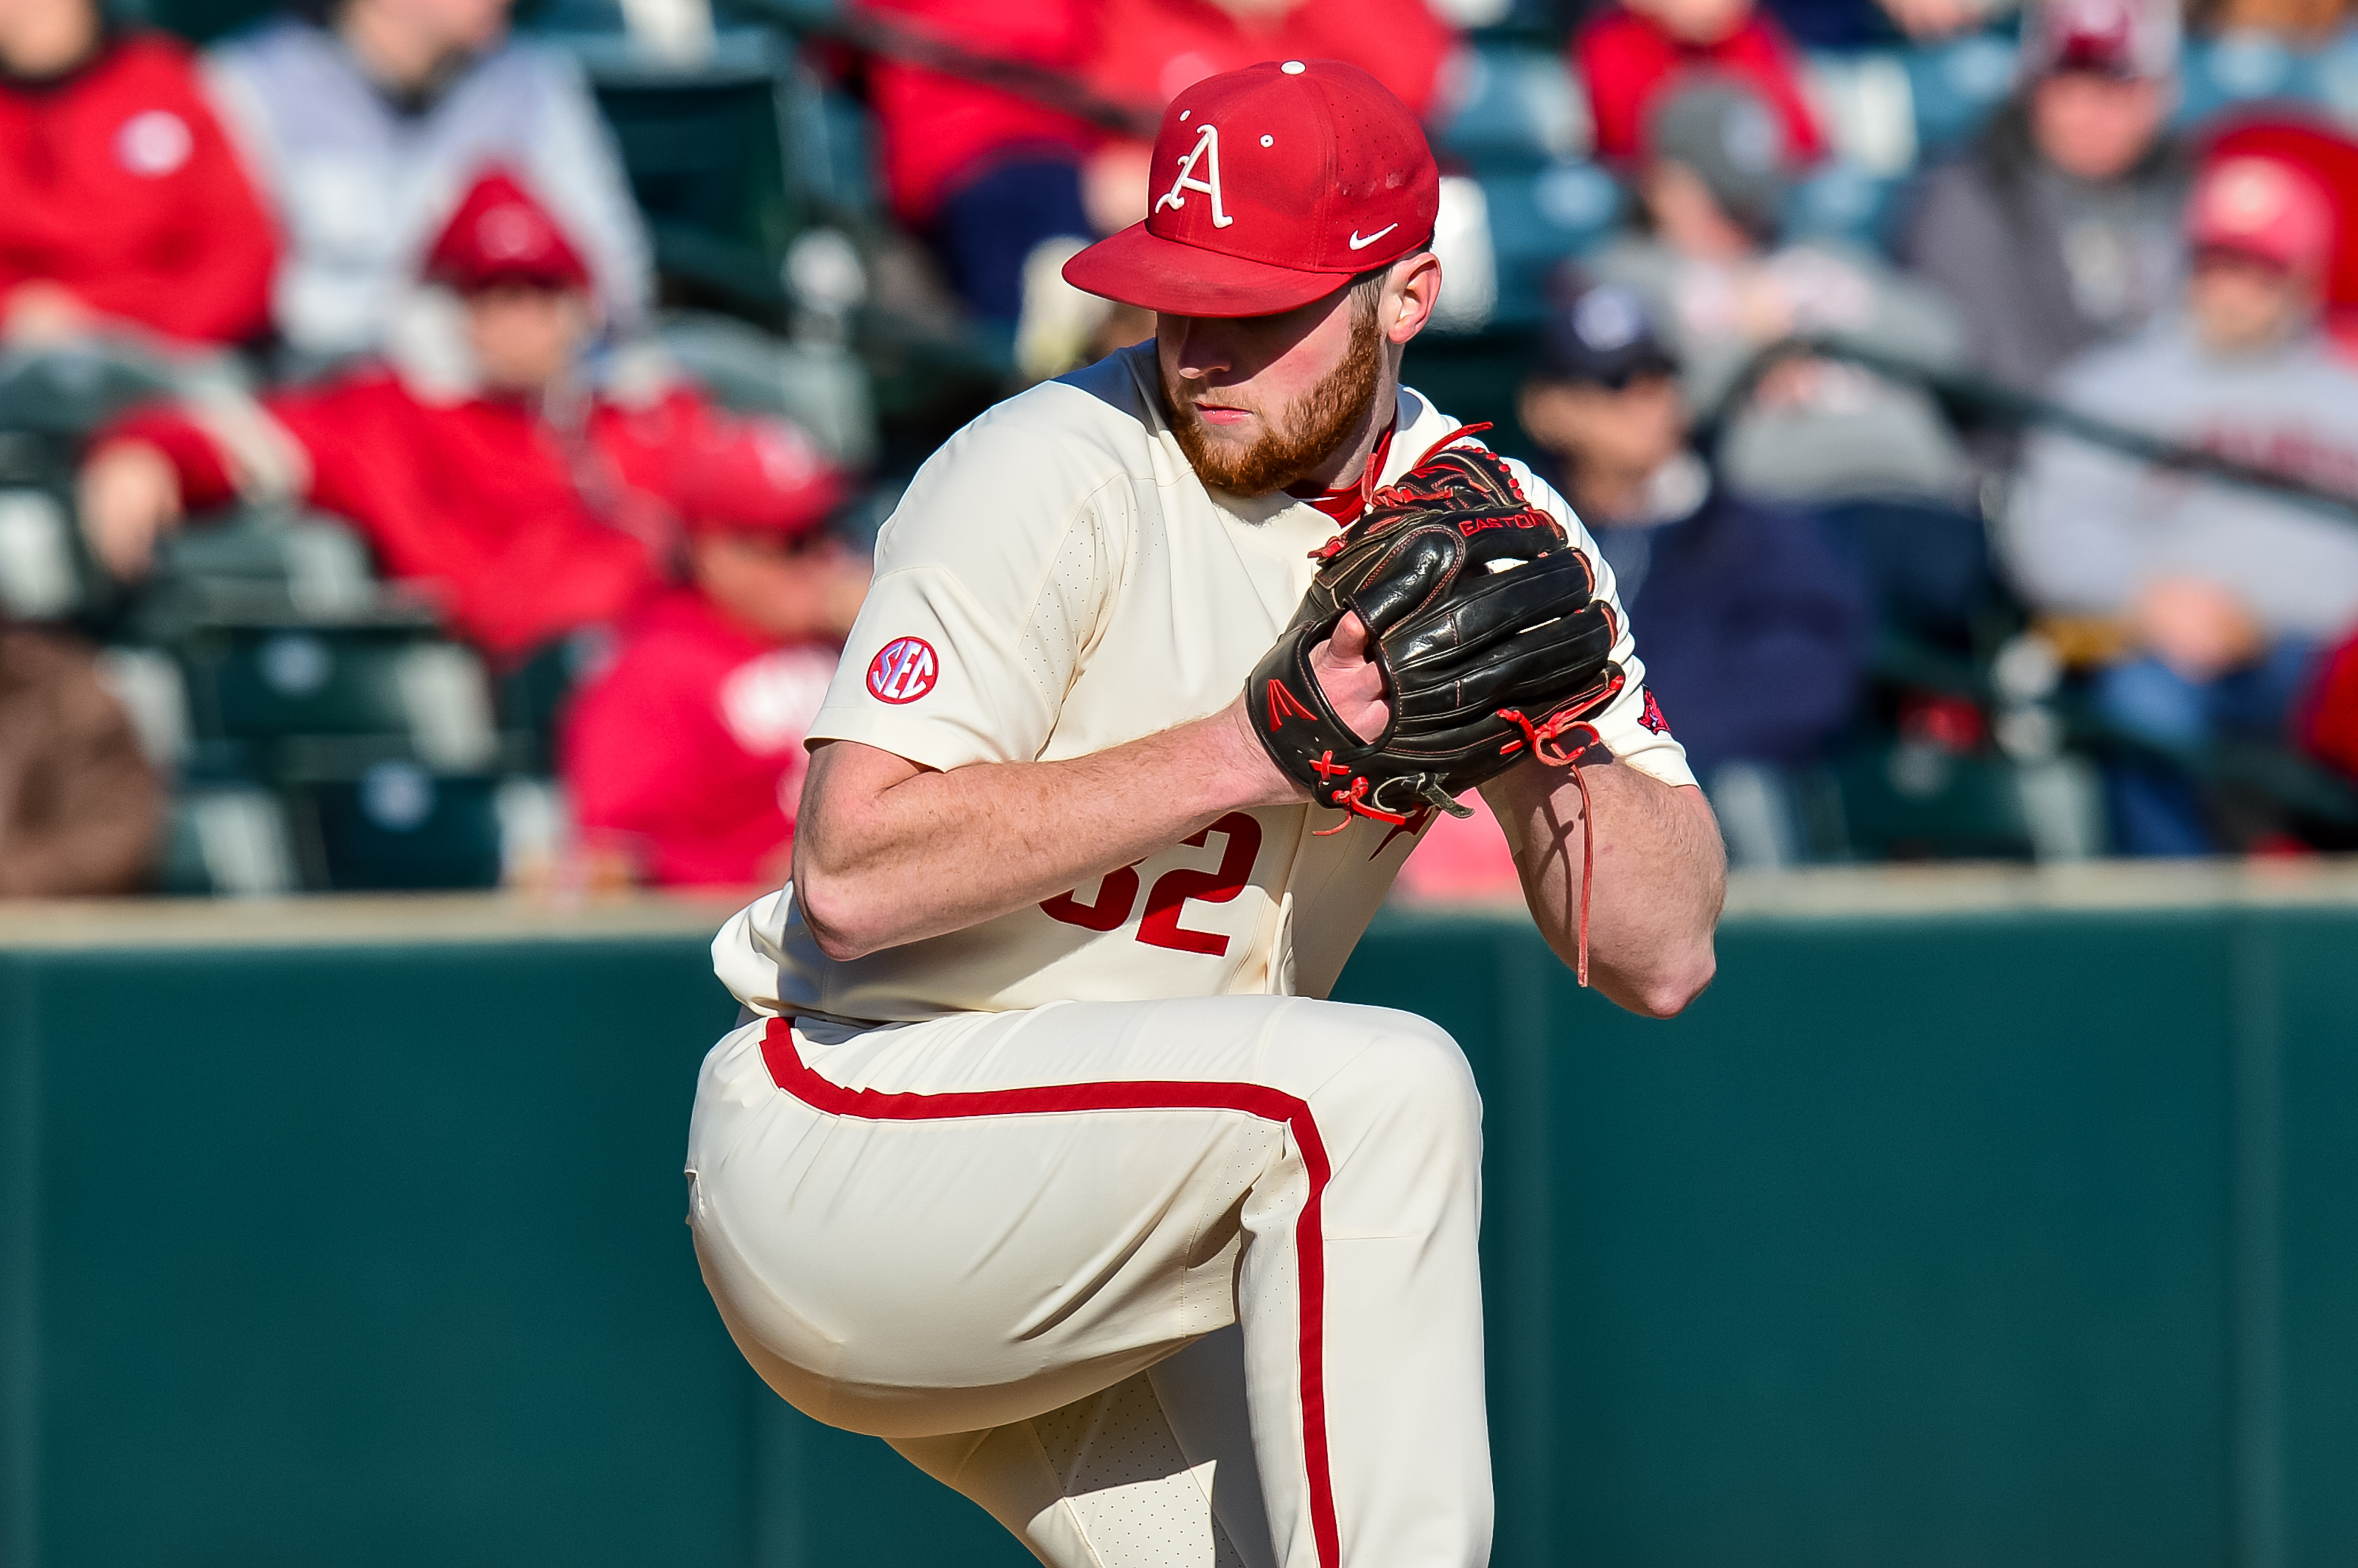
1348	466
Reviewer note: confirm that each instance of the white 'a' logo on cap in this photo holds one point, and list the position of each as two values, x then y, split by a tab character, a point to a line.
1206	152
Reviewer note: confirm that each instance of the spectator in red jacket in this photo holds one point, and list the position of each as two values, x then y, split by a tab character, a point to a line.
685	758
121	203
987	173
525	506
1627	54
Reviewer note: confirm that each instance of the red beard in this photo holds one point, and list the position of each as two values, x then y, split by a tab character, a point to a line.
1334	412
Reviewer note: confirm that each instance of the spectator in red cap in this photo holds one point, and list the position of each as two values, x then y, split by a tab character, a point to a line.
685	757
1628	55
121	205
2058	229
524	504
2220	596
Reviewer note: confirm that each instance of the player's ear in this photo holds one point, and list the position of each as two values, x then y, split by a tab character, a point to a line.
1410	295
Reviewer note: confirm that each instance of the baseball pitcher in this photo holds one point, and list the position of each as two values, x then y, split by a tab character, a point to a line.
1041	1155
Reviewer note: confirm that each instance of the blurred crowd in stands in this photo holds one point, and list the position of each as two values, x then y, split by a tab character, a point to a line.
441	447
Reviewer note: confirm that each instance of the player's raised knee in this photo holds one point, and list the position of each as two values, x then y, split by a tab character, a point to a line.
1414	1063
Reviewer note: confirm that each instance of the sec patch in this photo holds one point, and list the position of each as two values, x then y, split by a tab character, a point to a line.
904	670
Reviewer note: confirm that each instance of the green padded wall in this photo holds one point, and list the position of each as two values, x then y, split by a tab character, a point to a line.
1962	1222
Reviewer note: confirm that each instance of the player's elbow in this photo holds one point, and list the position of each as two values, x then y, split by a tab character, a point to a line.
832	912
1668	990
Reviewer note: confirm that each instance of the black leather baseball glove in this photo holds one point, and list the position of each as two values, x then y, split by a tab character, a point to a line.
1483	621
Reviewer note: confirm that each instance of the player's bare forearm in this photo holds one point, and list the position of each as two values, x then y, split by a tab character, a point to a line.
887	852
1660	877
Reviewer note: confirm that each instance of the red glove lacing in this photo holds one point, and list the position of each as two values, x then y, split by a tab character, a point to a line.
1541	737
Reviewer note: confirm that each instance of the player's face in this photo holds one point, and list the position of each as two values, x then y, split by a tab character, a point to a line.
1263	403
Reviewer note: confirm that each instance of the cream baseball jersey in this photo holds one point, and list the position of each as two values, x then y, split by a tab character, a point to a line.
1058	581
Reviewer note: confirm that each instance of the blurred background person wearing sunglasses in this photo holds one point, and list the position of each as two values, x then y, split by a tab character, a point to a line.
1755	625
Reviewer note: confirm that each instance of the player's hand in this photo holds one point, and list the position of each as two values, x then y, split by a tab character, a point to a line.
128	496
1352	682
1351	679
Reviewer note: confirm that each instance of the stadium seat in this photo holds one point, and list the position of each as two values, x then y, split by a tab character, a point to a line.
1843	201
264	684
1867	100
199	21
1910	799
398	824
1538	217
531	699
2333	78
42	572
704	140
2242	68
154	694
1517	109
1955	86
231	842
821	386
266	564
69	392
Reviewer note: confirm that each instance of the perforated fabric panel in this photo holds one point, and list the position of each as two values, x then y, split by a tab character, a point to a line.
1128	1486
1064	619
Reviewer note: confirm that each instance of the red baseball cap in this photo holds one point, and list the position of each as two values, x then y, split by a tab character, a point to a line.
500	234
753	476
2263	208
1271	187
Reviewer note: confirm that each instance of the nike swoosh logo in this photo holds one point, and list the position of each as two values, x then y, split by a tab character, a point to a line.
1359	244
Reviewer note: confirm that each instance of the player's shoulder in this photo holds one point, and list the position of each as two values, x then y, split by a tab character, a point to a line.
1093	425
1038	461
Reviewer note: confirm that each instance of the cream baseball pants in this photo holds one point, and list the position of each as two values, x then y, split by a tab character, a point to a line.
1186	1283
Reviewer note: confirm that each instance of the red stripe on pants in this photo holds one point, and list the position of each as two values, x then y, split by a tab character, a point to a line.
788	1072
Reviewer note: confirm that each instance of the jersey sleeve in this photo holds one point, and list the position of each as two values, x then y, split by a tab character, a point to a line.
992	577
1632	726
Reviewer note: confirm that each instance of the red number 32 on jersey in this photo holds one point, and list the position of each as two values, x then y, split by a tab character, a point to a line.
1167	900
904	670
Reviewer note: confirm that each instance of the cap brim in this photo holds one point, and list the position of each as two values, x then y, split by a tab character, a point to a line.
2243	247
1141	268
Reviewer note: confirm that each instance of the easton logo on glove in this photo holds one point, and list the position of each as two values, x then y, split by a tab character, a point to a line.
1484	623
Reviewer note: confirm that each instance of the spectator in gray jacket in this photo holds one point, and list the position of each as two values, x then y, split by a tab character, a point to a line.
365	130
2058	230
1712	273
2220	595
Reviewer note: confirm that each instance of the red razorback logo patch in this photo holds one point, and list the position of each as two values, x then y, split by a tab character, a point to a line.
904	670
1652	716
